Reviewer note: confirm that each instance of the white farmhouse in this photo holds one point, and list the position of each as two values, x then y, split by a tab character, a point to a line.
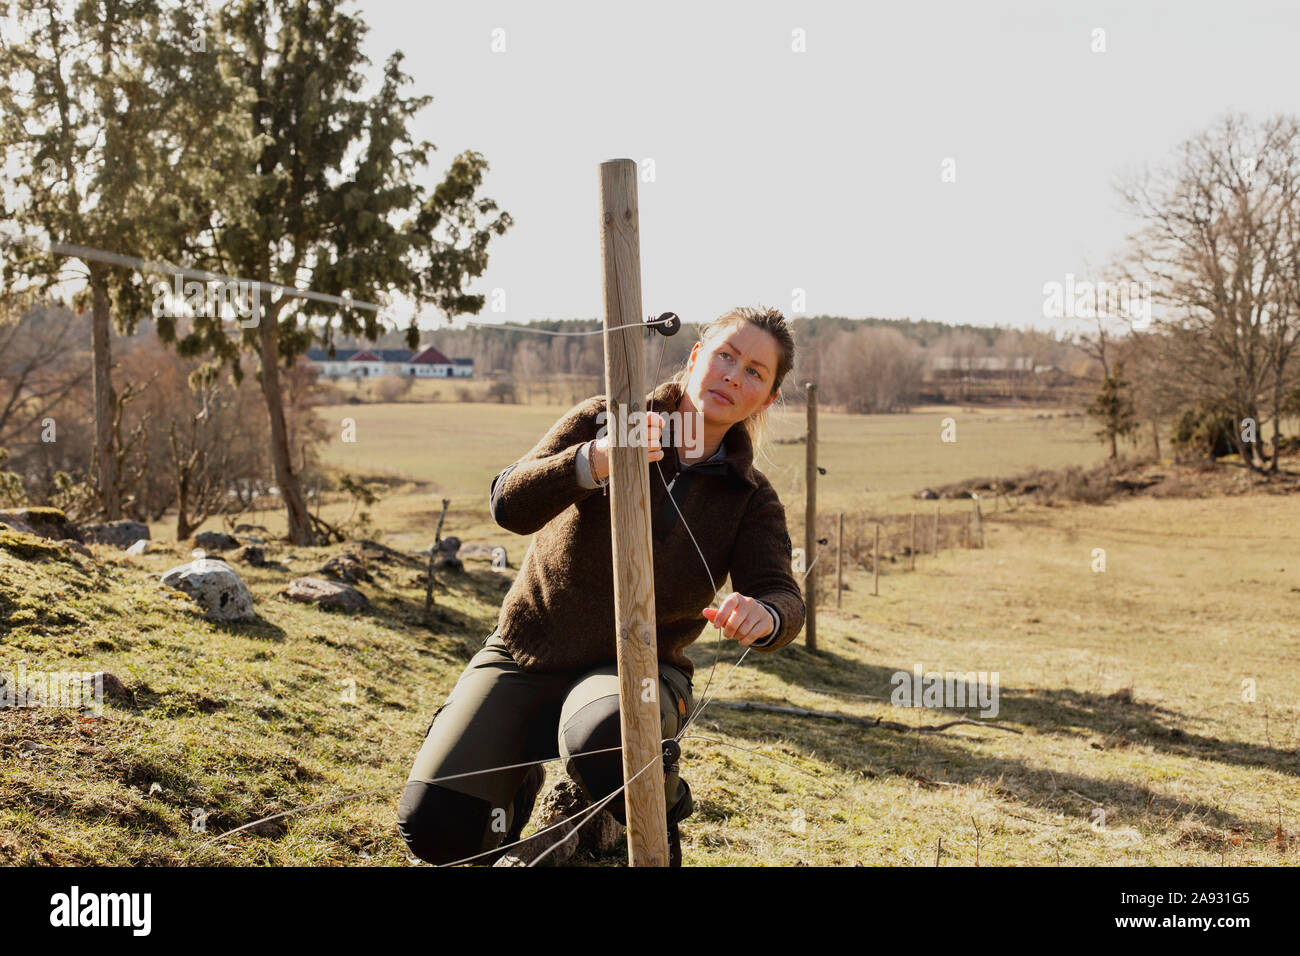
427	362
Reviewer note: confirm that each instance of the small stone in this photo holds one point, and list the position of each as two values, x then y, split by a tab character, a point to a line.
121	534
327	594
254	556
347	567
114	689
214	541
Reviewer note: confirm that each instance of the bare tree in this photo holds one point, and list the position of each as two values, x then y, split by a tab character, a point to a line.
1213	243
36	374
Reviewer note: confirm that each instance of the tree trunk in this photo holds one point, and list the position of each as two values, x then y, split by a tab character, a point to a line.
183	526
101	343
300	530
1155	434
1277	417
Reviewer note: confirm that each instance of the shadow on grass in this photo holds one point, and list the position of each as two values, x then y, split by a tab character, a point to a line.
259	628
950	757
1118	717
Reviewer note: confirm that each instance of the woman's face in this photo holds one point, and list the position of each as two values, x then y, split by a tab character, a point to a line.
731	374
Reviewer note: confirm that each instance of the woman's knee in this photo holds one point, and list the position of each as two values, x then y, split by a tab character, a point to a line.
596	726
441	825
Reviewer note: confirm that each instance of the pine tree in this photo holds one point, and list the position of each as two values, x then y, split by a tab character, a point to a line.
335	205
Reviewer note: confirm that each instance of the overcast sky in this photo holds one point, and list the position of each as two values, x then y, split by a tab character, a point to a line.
822	170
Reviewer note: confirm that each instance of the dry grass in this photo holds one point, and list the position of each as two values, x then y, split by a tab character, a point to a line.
1137	746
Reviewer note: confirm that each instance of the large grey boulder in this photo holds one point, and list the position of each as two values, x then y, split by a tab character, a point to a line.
121	534
216	587
328	594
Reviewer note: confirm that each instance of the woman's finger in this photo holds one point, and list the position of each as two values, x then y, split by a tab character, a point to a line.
725	610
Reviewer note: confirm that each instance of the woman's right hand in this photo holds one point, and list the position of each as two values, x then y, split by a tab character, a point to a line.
600	451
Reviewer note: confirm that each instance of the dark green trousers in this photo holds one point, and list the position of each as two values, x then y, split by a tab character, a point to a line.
497	715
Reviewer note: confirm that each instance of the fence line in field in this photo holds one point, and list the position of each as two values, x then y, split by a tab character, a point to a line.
872	542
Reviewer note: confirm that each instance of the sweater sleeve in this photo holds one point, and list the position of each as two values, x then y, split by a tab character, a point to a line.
530	492
776	632
760	565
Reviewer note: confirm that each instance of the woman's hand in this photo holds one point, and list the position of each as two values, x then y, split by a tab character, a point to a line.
742	618
600	456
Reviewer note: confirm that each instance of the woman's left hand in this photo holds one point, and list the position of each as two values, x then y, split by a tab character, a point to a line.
742	618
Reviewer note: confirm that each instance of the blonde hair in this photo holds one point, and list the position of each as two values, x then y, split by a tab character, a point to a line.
774	324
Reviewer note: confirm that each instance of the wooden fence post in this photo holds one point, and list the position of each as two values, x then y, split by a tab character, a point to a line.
875	565
839	563
810	522
629	471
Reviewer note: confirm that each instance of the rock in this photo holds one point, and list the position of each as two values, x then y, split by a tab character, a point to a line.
140	547
49	523
221	592
30	546
928	494
253	539
561	802
9	520
241	528
372	551
254	556
346	567
328	594
449	562
214	541
121	534
114	689
447	559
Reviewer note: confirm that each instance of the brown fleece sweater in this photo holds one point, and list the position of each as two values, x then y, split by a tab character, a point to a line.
559	613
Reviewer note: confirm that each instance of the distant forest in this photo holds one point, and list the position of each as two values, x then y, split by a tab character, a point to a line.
861	365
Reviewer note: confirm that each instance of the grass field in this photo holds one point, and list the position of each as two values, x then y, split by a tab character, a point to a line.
872	462
1135	746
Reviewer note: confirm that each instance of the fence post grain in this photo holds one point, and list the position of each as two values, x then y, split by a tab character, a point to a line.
629	507
839	563
810	522
912	547
875	565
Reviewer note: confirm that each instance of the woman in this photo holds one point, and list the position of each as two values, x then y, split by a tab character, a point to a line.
547	675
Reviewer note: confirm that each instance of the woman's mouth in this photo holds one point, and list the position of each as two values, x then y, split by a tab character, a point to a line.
721	396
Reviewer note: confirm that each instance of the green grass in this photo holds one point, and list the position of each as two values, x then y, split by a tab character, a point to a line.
1126	686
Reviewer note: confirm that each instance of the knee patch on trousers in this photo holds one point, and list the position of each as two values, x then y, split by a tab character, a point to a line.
441	825
596	726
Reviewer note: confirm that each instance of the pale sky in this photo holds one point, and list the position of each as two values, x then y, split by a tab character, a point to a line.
821	170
